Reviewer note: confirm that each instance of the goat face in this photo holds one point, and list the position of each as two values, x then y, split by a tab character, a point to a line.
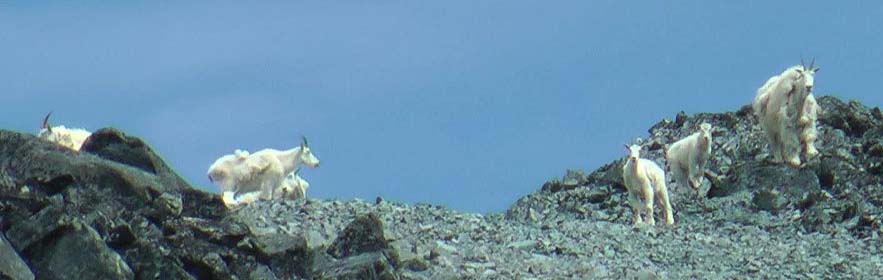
808	73
705	127
705	131
801	79
306	156
634	152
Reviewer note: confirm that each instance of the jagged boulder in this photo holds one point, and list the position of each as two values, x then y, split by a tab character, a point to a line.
360	251
11	264
77	251
114	145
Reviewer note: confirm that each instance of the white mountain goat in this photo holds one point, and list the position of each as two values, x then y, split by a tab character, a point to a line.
807	125
294	187
645	182
687	157
244	177
72	138
780	106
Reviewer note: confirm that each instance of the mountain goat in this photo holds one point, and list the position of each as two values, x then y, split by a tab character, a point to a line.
687	157
645	182
242	176
72	138
294	187
784	115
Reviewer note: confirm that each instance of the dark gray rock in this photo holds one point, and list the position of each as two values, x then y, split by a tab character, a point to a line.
149	261
790	181
31	230
372	265
11	265
364	234
289	254
680	119
77	252
768	200
852	118
114	145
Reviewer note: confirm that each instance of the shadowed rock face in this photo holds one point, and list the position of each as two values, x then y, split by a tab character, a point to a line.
112	144
115	210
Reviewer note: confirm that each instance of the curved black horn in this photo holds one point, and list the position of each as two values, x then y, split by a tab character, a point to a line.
802	64
304	141
812	64
296	171
45	123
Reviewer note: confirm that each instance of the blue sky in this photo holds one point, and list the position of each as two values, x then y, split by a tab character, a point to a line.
467	104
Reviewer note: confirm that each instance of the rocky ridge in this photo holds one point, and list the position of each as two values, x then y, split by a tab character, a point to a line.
116	211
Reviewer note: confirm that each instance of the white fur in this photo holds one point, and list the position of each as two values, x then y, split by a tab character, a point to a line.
244	177
645	182
227	170
780	106
808	132
687	157
294	187
72	138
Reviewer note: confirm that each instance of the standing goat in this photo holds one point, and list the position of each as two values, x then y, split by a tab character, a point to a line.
784	115
687	157
72	138
261	173
645	182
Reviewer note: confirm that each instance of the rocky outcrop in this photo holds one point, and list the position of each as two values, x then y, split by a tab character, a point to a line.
839	189
115	210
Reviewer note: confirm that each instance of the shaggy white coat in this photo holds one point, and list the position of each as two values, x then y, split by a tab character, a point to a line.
645	182
687	157
244	177
784	115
